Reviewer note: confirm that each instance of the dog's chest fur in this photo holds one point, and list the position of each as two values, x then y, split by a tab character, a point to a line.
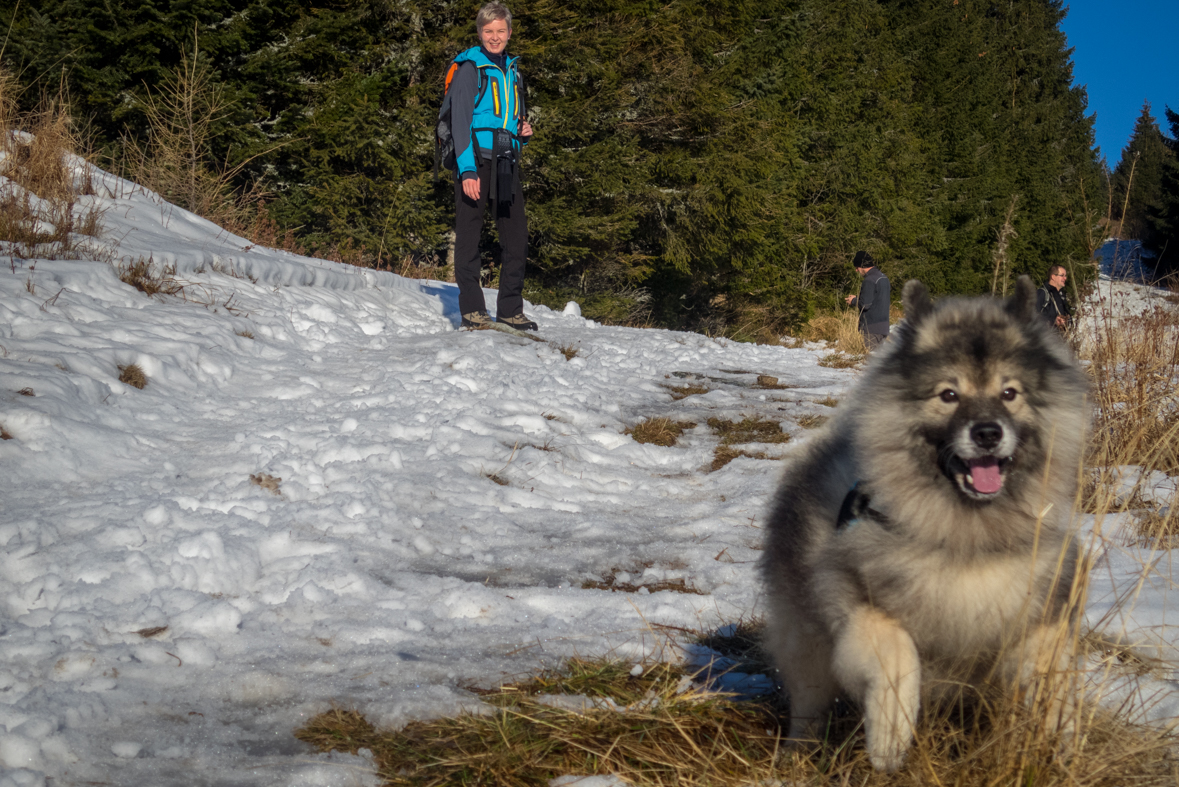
952	606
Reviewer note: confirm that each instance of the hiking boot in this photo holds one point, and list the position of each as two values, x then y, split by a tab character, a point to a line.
519	322
476	320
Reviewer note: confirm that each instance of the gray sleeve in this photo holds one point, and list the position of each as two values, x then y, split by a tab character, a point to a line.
882	295
867	295
463	89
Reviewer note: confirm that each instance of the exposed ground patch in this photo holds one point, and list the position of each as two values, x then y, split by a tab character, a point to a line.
659	431
748	430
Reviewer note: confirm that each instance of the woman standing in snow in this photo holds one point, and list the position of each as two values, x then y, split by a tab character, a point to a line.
489	131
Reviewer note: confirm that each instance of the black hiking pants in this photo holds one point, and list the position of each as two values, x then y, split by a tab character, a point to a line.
512	225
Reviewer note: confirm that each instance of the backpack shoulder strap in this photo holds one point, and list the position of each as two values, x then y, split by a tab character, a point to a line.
521	92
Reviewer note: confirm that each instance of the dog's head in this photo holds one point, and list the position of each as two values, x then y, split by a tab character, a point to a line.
974	395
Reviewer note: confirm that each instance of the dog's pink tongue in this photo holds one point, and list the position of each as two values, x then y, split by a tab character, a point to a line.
985	475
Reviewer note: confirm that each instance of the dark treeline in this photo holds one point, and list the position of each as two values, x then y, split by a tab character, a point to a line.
701	165
1145	190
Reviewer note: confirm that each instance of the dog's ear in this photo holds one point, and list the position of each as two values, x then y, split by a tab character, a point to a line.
916	302
1022	303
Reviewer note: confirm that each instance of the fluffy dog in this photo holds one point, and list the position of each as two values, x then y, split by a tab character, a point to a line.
923	541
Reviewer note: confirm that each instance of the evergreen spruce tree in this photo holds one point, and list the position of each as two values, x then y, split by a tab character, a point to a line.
1164	217
1005	134
1145	155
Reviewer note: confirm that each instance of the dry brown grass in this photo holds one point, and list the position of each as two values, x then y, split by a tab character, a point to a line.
4	433
754	429
813	421
748	430
659	431
133	375
410	268
40	211
1134	366
148	278
838	329
684	391
656	728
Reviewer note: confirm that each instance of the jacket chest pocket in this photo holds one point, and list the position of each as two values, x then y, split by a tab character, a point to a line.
496	91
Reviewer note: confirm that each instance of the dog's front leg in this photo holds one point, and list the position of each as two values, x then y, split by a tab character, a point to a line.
876	662
1043	667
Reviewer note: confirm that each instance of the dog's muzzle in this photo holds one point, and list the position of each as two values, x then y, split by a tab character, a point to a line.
980	457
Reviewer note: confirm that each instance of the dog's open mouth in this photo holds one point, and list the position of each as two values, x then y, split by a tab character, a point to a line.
982	477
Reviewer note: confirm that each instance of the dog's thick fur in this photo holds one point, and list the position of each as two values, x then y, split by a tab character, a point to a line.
923	541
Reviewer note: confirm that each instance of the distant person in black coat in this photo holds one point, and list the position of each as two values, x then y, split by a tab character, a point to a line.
1050	301
872	301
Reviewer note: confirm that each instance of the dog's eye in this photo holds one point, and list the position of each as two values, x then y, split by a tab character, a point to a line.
949	396
1009	394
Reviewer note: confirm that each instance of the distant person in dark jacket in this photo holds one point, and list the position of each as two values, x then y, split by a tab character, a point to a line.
872	301
1050	301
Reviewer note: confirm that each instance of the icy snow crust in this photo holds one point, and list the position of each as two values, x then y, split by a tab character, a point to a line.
166	620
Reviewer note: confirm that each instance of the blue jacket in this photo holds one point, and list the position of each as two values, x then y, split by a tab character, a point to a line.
499	107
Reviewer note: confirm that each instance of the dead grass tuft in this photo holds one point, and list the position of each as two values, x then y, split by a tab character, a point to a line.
569	351
659	431
146	277
747	430
838	329
245	333
411	268
723	454
27	392
4	433
133	375
497	479
42	214
812	421
841	361
267	482
337	730
684	391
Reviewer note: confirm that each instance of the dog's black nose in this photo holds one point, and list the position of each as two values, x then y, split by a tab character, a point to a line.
986	435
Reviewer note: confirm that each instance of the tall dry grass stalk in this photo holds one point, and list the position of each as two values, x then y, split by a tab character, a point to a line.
41	214
1134	364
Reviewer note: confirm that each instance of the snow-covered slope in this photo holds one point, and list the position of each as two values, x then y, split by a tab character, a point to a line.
165	616
328	494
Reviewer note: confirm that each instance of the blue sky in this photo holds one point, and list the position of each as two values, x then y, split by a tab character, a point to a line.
1125	52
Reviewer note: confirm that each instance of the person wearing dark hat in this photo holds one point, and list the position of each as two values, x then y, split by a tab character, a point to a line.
872	301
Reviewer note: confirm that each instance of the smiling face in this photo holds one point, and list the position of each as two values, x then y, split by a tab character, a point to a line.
495	35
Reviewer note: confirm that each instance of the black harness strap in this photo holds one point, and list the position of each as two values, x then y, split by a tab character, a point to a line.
857	506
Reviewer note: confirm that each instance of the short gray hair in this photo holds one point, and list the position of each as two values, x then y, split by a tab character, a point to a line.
490	13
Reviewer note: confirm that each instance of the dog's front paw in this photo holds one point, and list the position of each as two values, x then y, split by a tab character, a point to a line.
886	750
